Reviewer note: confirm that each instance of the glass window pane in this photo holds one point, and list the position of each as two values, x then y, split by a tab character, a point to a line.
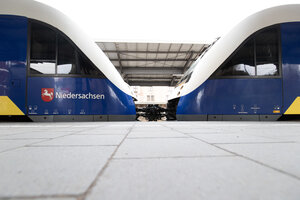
65	69
241	63
66	63
87	67
43	42
42	67
152	97
267	70
267	52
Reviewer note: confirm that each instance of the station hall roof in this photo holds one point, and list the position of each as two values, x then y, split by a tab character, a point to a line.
152	64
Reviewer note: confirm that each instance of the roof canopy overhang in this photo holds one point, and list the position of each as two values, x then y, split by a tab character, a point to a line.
152	64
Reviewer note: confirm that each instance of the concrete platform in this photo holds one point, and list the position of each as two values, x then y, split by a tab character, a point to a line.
150	160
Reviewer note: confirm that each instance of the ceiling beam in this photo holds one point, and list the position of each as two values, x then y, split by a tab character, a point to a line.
154	81
141	66
150	79
152	52
149	59
151	70
144	83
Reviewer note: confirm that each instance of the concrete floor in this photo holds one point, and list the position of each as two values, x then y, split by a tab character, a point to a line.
143	160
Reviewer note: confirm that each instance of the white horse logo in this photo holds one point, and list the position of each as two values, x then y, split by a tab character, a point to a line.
47	94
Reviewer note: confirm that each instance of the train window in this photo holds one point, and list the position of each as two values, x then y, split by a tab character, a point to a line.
188	74
43	50
86	67
52	53
40	67
183	79
66	62
259	56
43	42
267	52
241	64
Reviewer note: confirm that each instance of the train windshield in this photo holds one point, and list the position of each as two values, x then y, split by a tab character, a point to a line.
187	75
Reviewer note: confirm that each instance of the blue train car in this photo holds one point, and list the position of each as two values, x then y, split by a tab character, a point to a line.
252	73
51	71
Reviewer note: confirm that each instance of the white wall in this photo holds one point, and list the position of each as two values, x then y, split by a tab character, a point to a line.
152	95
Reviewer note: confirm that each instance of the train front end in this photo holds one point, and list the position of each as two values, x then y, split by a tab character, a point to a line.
45	76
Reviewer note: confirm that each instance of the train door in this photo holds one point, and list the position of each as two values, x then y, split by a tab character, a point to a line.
290	41
13	48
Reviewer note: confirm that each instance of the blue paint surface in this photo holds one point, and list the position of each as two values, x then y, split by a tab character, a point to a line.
240	96
115	102
290	39
233	96
13	51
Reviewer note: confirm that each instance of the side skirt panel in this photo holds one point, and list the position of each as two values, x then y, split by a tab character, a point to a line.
228	117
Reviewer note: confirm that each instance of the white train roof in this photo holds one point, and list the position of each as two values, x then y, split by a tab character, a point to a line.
38	11
226	45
